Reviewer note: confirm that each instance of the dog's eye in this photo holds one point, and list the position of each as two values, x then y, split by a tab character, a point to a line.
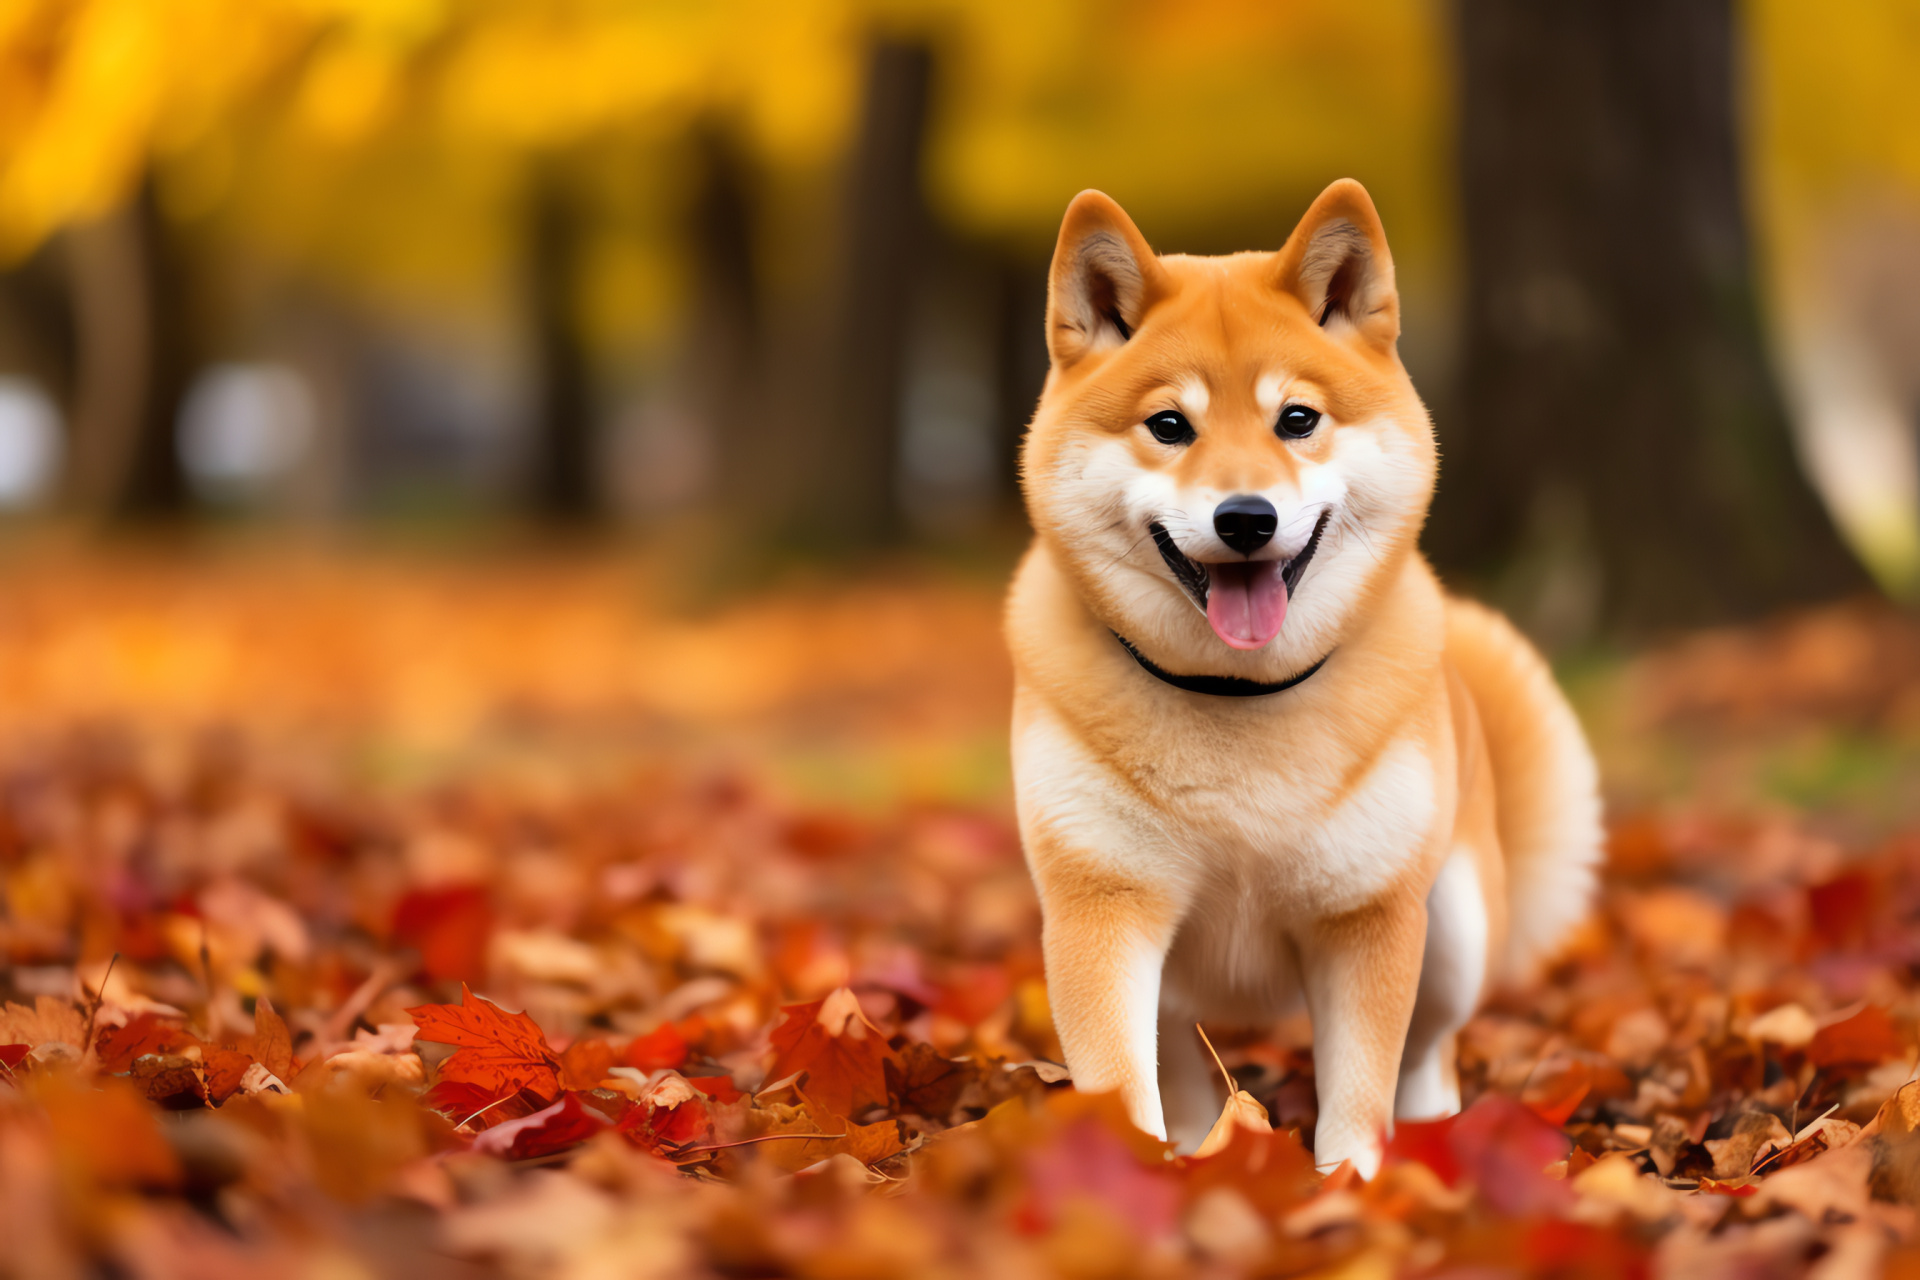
1296	420
1170	426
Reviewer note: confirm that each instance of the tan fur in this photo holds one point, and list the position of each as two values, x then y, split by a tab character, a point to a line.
1230	858
1549	801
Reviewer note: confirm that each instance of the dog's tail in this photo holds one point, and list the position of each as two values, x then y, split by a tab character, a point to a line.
1546	786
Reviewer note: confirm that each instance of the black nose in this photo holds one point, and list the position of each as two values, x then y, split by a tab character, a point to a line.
1245	522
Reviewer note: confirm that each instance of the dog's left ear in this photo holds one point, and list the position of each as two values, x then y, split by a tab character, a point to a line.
1337	264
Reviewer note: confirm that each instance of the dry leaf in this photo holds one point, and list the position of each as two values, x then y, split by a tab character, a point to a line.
498	1052
842	1053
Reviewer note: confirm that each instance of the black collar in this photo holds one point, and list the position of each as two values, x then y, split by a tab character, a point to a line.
1218	686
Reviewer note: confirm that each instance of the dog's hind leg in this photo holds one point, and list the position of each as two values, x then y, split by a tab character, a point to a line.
1189	1083
1453	969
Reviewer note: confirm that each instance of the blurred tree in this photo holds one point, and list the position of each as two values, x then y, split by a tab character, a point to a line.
847	489
724	352
1616	398
137	334
563	482
36	325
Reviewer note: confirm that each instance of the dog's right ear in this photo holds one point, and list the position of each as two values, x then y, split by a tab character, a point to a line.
1104	278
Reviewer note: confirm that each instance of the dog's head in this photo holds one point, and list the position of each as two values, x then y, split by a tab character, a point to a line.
1228	457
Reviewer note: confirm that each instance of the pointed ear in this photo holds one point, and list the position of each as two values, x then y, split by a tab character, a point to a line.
1336	262
1104	278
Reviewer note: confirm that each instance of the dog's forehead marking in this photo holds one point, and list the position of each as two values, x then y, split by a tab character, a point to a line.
1193	397
1267	392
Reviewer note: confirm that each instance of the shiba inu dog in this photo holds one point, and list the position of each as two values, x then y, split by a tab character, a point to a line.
1261	758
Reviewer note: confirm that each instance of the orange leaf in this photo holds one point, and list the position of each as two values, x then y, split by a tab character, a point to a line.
225	1067
664	1046
119	1046
495	1050
586	1063
110	1134
719	1088
1272	1170
872	1143
272	1042
1556	1097
1868	1038
842	1053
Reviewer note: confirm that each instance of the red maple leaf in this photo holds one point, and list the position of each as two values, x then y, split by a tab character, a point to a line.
117	1047
272	1042
719	1088
1867	1038
1497	1144
664	1046
843	1054
449	928
672	1114
1086	1159
567	1123
496	1051
464	1102
225	1068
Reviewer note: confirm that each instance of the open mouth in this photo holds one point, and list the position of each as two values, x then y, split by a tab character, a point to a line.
1245	600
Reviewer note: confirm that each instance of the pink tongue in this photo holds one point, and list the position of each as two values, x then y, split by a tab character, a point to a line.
1246	603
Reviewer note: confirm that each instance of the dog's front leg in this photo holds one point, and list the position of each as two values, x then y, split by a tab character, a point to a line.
1362	972
1105	937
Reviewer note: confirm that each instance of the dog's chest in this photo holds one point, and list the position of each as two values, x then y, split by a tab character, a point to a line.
1317	831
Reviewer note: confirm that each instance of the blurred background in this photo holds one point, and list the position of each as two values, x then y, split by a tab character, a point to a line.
749	283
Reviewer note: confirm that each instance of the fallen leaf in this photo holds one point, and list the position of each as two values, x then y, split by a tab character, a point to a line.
1754	1132
1085	1159
497	1052
872	1143
146	1033
225	1069
172	1081
1271	1170
842	1053
1499	1145
923	1082
1867	1038
110	1135
449	927
49	1021
586	1063
664	1046
272	1042
1242	1110
1554	1098
670	1114
719	1088
1789	1024
567	1123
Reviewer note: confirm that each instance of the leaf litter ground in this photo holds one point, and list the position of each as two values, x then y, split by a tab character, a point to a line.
455	920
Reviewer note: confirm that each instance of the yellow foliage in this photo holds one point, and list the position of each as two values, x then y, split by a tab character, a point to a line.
389	135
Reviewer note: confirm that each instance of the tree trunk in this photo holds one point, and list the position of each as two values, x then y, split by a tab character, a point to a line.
724	349
136	354
564	487
851	470
1615	384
